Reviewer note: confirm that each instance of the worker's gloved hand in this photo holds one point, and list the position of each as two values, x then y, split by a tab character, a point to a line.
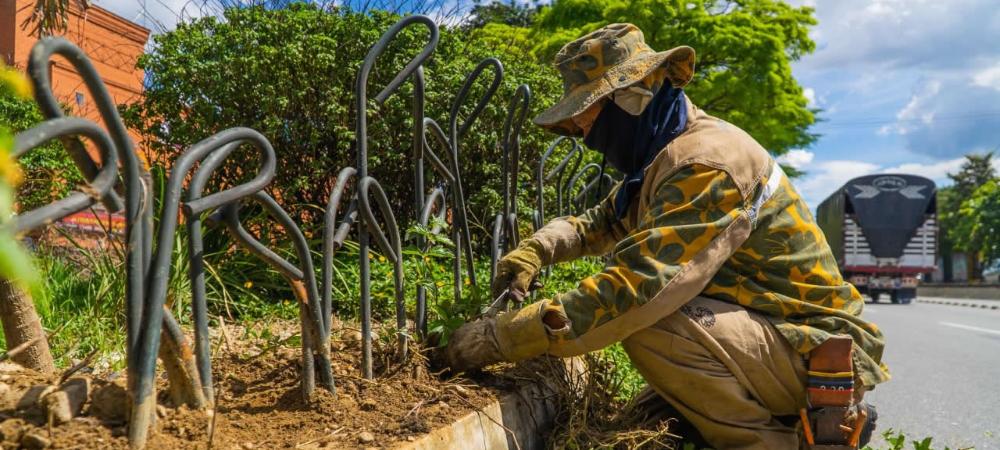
517	269
513	336
473	346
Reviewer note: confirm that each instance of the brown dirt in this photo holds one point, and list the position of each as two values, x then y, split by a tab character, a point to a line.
260	404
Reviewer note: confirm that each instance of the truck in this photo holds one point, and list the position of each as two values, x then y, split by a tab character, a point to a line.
883	231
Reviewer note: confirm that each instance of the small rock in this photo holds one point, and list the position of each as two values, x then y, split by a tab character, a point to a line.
369	404
248	446
161	411
410	438
444	405
34	441
366	437
110	402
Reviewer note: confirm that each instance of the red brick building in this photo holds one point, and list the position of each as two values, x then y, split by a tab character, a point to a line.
112	42
113	45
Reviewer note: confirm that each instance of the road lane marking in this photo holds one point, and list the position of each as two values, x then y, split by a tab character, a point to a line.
971	328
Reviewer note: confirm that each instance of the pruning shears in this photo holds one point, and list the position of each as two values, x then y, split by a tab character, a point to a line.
500	303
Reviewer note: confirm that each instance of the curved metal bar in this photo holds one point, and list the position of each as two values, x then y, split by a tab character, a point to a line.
138	183
144	358
361	134
562	187
435	197
315	337
100	185
571	184
462	224
430	125
196	267
592	185
330	233
541	177
517	113
463	92
505	233
391	246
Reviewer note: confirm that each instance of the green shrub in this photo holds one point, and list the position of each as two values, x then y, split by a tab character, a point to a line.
290	74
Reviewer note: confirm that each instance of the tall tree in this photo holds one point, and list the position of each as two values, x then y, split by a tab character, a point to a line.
960	217
980	215
745	49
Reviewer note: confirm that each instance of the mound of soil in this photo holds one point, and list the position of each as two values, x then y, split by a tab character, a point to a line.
259	404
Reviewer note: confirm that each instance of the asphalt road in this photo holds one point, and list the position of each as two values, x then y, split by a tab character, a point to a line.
945	365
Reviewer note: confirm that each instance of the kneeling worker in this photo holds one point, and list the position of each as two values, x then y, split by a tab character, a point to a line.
722	289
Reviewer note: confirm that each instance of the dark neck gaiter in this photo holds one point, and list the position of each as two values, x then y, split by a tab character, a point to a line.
629	143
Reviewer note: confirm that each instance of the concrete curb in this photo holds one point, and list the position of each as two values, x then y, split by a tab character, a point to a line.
517	420
961	303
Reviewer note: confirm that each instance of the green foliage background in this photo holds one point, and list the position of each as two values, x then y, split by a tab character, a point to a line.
289	73
49	174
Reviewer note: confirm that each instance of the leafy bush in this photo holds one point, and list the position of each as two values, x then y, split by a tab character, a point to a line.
290	74
49	173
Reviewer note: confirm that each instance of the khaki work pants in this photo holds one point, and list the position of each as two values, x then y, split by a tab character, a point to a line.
727	371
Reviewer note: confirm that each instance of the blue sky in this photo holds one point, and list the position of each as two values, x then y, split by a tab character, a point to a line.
905	85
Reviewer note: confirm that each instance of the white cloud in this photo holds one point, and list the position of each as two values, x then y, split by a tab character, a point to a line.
825	177
937	171
797	158
989	77
810	95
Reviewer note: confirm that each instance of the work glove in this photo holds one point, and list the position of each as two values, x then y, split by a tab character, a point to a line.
473	346
517	269
512	336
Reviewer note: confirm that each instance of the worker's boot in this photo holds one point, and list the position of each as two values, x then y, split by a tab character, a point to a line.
836	419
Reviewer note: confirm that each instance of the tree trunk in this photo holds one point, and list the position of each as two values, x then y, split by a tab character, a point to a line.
20	325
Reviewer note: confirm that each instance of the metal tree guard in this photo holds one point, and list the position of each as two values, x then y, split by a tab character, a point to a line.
460	228
505	233
302	279
156	288
361	134
137	182
541	177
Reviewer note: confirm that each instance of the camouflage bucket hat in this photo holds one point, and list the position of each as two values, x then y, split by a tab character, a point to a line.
611	58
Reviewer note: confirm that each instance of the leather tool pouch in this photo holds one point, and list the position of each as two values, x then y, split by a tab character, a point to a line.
833	421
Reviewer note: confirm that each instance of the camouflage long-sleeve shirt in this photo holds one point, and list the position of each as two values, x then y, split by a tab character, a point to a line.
696	231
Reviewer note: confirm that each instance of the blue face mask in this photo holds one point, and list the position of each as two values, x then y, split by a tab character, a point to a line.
629	143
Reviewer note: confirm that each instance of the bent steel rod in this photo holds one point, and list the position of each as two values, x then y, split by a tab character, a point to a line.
541	177
138	184
600	184
505	233
144	359
573	180
389	242
463	236
334	236
315	335
361	133
100	185
434	199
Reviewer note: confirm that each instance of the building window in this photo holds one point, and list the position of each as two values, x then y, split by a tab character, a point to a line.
81	99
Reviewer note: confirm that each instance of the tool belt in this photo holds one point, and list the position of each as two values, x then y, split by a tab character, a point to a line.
833	420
